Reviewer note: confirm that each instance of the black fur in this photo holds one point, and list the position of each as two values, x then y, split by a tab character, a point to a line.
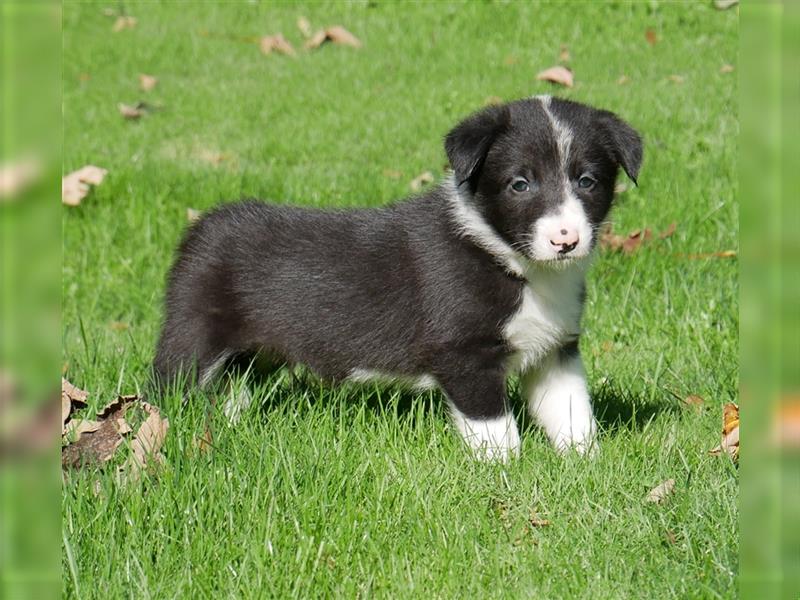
395	289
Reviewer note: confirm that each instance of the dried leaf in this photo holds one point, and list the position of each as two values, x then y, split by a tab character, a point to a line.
623	80
66	409
74	429
336	34
278	43
192	215
132	112
96	446
492	100
726	68
563	55
730	432
651	36
786	422
560	75
661	492
123	22
668	231
633	241
146	444
304	26
75	186
147	82
676	78
535	521
725	4
421	180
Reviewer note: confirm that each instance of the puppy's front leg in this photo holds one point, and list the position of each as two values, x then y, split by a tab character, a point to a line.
479	411
558	399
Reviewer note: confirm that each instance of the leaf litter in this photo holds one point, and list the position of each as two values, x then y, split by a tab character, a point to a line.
660	493
277	43
88	442
559	74
730	432
335	34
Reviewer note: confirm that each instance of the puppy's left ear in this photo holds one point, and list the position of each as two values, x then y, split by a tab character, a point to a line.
468	143
625	144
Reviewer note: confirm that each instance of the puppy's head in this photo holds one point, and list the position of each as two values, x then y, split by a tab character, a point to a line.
541	172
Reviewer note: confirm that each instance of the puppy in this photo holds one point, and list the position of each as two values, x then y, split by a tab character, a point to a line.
457	288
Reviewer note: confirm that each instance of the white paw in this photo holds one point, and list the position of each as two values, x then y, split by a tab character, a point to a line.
490	439
583	440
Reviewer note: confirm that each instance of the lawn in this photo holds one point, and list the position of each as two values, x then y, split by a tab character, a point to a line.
368	491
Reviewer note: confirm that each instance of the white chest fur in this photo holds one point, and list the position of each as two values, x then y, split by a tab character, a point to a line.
549	313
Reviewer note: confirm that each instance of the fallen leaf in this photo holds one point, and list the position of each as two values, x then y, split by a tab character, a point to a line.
635	240
123	22
668	231
786	422
147	82
278	43
97	445
74	429
192	215
146	443
560	75
535	521
129	111
563	55
336	34
623	80
304	26
676	78
621	187
421	180
392	173
694	401
725	4
75	186
492	100
651	36
661	492
726	68
730	432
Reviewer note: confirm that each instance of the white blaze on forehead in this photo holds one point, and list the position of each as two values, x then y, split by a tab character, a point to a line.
562	133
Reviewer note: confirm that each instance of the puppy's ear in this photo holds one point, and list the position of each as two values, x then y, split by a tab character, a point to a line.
468	144
624	142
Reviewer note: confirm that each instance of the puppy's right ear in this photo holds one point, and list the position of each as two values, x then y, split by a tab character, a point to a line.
468	144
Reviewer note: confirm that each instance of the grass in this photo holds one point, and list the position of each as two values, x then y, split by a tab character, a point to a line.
367	491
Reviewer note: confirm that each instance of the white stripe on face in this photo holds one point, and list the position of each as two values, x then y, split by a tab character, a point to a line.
566	233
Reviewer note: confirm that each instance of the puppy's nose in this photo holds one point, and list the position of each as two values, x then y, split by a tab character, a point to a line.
567	239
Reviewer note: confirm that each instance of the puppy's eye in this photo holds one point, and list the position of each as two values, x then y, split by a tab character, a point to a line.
585	182
520	185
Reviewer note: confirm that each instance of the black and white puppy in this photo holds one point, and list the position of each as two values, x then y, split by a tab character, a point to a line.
478	278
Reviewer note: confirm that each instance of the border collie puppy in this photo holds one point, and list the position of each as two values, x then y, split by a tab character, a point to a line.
457	288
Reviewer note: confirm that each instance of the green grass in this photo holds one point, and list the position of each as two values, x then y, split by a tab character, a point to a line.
358	492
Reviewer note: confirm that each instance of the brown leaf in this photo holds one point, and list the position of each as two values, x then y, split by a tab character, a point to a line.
651	36
75	186
668	231
123	22
336	34
661	492
536	521
17	175
304	26
725	4
563	55
133	111
192	215
74	429
623	80
558	74
147	82
278	43
146	444
98	445
633	242
726	68
71	398
676	78
421	180
786	422
730	432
